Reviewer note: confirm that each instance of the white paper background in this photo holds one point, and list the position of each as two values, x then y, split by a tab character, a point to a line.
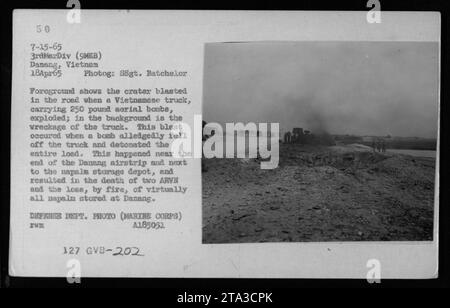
174	39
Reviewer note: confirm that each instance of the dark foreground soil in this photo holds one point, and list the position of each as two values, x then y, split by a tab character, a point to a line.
340	193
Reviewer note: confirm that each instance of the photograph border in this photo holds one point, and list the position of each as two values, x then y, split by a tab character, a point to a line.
200	283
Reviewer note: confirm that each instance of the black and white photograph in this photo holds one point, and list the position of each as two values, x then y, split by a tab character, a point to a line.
357	141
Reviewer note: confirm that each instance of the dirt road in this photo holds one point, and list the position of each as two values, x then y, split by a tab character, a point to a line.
319	194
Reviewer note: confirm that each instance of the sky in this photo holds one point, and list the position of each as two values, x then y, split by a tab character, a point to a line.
361	88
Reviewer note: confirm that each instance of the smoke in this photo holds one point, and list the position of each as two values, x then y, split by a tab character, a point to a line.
362	88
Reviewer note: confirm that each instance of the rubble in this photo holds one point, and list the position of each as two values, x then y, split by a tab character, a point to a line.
320	193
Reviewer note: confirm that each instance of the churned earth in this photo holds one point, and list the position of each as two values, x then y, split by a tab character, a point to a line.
338	193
